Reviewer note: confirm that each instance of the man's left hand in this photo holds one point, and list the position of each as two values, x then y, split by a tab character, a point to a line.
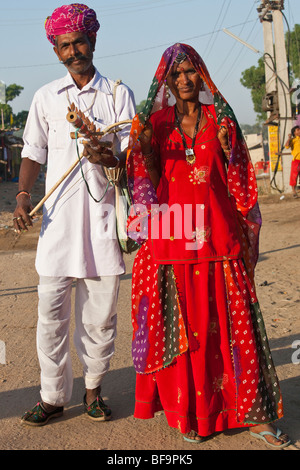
100	155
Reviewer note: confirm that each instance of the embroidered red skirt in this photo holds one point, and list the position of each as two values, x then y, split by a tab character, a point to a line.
225	378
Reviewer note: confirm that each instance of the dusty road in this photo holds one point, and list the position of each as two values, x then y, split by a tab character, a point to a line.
278	286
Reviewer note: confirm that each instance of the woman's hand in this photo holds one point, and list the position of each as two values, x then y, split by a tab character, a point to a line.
145	138
224	140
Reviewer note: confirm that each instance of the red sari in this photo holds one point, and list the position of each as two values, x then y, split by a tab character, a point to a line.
222	379
199	344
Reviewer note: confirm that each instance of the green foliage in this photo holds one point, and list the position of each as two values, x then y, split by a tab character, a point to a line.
20	118
139	107
292	40
12	91
7	112
254	79
9	119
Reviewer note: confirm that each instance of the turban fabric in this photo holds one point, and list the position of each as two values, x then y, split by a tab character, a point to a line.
69	19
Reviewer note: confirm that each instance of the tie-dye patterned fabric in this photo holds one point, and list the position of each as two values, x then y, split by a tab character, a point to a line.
199	341
241	176
71	18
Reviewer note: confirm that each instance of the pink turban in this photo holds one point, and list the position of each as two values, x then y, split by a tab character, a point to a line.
71	18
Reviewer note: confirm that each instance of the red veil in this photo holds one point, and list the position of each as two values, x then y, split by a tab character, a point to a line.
160	333
241	176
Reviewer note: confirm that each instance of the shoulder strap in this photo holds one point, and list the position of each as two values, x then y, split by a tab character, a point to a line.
116	84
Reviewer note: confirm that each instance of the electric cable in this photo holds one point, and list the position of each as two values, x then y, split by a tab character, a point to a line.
215	31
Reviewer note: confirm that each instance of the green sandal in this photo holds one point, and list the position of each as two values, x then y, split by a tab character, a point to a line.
38	416
98	410
261	435
191	437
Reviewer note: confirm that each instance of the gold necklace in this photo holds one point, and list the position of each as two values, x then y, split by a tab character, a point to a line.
87	109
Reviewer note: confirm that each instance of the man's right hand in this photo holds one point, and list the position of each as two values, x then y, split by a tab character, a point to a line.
29	171
22	219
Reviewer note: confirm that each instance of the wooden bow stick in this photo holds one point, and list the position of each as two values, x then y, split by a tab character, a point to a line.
87	130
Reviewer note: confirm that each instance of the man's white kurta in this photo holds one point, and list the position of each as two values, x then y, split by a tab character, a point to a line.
78	237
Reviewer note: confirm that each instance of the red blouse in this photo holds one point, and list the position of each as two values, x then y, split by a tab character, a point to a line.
195	219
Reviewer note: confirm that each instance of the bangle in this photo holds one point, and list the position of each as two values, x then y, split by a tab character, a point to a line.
148	155
116	166
227	151
149	164
23	192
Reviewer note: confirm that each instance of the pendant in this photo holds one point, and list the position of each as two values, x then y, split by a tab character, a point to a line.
190	156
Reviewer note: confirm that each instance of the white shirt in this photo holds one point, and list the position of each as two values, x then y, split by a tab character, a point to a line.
77	236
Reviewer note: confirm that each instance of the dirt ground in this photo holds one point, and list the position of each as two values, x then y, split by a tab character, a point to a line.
278	286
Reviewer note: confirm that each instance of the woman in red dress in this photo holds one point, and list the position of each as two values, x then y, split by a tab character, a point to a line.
199	345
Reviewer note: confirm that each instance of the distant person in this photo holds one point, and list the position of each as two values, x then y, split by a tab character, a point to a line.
200	348
70	245
293	143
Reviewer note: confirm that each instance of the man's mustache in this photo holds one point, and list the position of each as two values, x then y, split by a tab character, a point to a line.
70	60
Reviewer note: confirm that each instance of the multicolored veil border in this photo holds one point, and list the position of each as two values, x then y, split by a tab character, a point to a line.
241	176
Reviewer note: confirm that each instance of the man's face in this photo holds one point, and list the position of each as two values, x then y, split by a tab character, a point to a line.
75	50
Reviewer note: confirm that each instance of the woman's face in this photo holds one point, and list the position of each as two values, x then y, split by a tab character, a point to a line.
297	131
184	82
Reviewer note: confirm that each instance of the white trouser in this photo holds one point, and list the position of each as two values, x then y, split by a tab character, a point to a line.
95	332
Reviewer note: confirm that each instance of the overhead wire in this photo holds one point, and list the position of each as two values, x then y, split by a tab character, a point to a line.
215	32
233	46
118	54
128	8
241	51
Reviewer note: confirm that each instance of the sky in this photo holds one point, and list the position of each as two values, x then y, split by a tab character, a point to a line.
132	38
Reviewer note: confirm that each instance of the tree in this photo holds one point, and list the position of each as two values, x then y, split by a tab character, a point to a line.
20	118
292	40
254	79
139	107
12	91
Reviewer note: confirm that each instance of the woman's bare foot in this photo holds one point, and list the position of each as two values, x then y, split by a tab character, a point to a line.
271	439
193	436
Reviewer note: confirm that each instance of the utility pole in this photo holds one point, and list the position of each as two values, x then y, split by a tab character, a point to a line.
277	92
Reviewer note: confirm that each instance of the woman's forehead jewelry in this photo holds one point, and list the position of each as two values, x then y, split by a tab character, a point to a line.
181	57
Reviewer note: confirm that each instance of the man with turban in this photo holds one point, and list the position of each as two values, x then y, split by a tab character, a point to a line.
77	242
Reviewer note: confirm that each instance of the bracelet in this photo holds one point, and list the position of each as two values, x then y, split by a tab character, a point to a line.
227	151
149	164
148	155
116	166
23	192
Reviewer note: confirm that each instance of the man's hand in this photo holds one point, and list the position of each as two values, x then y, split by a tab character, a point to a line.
21	218
29	171
100	155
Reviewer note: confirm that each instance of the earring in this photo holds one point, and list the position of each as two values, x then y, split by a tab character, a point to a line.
167	91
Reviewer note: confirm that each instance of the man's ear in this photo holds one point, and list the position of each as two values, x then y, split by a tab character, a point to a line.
56	52
92	39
